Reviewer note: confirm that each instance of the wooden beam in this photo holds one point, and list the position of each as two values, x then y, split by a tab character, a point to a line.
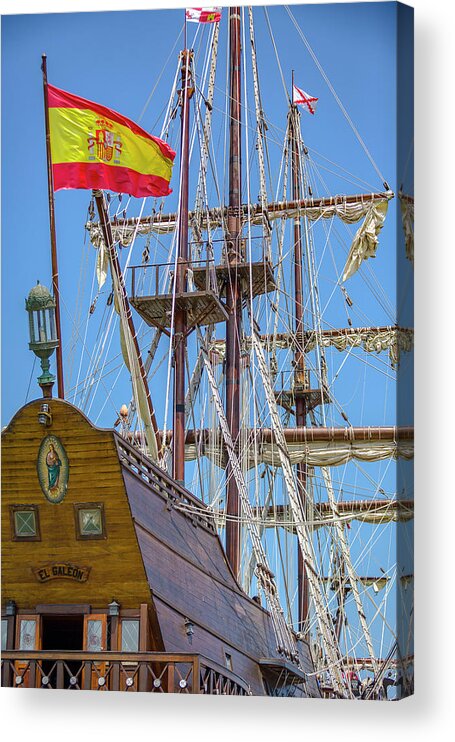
308	434
218	214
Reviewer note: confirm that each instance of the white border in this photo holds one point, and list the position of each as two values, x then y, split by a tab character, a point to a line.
79	716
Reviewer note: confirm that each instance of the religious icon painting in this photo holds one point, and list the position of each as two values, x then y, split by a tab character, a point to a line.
53	468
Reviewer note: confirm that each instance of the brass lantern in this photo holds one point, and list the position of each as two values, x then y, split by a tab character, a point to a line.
40	306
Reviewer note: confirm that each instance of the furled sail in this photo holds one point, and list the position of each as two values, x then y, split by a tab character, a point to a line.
132	363
304	448
372	208
396	340
374	512
102	262
407	217
365	242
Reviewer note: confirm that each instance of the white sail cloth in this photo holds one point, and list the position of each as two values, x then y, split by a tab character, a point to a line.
364	245
102	262
365	241
374	340
132	363
393	339
372	512
313	453
407	217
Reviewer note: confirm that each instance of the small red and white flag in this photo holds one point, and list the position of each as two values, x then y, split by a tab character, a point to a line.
203	15
299	97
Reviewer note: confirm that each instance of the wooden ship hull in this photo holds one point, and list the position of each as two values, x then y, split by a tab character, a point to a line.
150	603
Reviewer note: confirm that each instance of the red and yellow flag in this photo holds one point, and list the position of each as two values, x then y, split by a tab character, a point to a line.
203	15
95	147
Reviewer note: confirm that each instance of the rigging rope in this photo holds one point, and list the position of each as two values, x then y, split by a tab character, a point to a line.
285	637
332	90
322	613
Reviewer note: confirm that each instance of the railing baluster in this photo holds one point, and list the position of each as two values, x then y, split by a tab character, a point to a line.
87	675
115	676
170	677
7	674
60	674
32	674
143	677
196	675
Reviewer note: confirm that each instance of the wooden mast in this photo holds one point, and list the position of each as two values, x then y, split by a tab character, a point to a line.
115	267
180	320
299	356
233	291
50	185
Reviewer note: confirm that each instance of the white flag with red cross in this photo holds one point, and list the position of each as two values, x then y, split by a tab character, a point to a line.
300	98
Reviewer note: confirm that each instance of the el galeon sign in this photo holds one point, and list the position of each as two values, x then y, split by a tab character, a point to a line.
60	570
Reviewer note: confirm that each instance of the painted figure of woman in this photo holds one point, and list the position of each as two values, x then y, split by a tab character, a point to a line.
53	467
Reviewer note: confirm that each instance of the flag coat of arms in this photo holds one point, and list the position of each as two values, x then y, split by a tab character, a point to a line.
95	147
300	98
203	15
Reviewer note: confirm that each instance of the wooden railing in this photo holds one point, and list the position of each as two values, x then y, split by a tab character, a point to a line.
163	485
150	672
157	279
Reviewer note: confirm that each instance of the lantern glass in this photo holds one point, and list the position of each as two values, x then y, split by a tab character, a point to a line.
43	326
40	306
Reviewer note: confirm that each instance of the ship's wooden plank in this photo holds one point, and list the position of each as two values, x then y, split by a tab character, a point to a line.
204	642
203	307
257	278
176	528
207	601
116	568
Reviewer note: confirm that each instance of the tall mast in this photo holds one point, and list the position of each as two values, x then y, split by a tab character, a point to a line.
180	320
233	291
299	357
50	185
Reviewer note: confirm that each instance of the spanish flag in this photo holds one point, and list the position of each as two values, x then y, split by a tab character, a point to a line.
203	15
95	147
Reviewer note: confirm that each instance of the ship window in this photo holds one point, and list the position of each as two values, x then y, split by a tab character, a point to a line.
4	632
94	635
228	660
130	635
25	523
27	634
90	520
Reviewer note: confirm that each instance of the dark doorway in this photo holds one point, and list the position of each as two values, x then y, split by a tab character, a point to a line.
63	634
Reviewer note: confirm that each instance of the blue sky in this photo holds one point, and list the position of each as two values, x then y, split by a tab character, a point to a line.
115	58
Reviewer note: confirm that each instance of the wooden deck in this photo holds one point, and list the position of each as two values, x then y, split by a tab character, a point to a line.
257	278
202	308
314	397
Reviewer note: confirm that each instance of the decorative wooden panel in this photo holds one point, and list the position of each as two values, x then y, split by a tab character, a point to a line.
114	563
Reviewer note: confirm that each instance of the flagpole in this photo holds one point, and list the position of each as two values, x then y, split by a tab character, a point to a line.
184	31
50	184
